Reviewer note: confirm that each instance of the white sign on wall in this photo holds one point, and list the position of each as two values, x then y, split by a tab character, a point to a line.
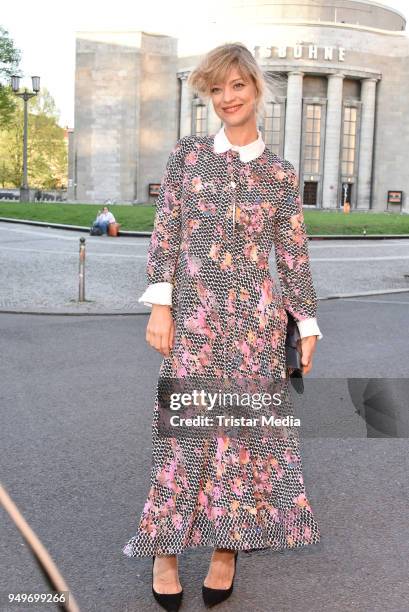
298	51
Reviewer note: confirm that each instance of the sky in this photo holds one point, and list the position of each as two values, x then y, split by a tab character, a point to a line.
45	32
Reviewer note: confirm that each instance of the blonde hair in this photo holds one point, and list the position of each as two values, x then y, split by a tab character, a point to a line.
217	63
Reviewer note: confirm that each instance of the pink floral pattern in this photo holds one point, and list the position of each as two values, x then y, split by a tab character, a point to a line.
216	223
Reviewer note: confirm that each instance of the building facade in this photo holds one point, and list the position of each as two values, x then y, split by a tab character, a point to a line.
337	108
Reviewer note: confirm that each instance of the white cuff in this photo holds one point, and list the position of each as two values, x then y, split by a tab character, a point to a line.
157	293
309	327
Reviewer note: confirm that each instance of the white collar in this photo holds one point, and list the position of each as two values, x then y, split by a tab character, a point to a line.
247	152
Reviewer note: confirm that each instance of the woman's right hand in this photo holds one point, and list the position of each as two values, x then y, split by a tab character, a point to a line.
160	329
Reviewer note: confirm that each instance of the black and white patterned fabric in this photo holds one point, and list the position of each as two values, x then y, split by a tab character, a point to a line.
217	221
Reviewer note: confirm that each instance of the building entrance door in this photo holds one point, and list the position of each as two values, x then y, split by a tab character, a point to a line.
310	193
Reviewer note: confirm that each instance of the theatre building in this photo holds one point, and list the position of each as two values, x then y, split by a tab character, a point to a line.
338	107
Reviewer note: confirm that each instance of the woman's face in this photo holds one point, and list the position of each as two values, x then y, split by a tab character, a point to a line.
234	100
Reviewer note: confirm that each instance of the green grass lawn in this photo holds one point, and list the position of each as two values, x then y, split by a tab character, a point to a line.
140	217
130	217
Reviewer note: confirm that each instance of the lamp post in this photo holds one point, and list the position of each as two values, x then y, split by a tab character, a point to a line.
26	95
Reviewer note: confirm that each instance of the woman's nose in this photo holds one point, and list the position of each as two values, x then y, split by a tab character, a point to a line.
228	97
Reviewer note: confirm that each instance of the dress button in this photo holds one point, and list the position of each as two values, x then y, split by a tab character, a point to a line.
232	184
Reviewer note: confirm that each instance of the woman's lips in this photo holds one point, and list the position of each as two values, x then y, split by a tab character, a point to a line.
233	109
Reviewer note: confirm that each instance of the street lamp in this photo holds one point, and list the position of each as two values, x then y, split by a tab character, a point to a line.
26	95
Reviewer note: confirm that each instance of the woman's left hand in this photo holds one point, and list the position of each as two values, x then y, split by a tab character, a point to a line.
307	349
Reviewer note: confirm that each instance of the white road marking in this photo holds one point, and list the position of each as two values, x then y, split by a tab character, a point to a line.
374	258
145	243
311	245
71	253
38	233
76	238
106	254
356	245
377	301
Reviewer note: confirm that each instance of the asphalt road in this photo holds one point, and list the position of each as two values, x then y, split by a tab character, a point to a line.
76	397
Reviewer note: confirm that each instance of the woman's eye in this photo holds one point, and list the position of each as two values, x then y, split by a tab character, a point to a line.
214	89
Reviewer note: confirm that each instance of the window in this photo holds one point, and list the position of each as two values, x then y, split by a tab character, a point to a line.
273	122
312	142
199	118
349	140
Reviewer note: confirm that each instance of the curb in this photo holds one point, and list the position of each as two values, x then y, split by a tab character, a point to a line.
145	312
82	228
76	228
357	236
73	314
341	296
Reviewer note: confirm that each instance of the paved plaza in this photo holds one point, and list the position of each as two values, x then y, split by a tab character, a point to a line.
76	401
39	269
76	459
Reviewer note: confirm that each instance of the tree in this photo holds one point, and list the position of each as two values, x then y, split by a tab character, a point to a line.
46	152
9	60
47	144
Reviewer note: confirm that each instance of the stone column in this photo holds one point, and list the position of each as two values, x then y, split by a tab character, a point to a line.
331	180
368	93
185	107
293	119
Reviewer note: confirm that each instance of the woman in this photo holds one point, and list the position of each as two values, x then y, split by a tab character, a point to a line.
225	200
103	219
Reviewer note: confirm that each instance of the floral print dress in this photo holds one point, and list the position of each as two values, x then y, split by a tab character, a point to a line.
216	222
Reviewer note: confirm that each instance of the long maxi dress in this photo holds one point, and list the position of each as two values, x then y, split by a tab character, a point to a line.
220	210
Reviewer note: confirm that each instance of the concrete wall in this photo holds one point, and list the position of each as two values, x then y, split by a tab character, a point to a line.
106	116
159	108
391	149
125	113
362	13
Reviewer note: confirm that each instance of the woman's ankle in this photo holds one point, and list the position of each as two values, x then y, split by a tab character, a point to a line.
166	561
224	551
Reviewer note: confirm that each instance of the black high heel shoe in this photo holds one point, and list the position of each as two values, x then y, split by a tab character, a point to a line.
212	597
169	601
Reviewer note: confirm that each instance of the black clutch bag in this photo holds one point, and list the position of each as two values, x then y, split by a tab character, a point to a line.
293	356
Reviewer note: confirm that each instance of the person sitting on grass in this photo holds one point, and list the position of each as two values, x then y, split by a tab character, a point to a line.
103	219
